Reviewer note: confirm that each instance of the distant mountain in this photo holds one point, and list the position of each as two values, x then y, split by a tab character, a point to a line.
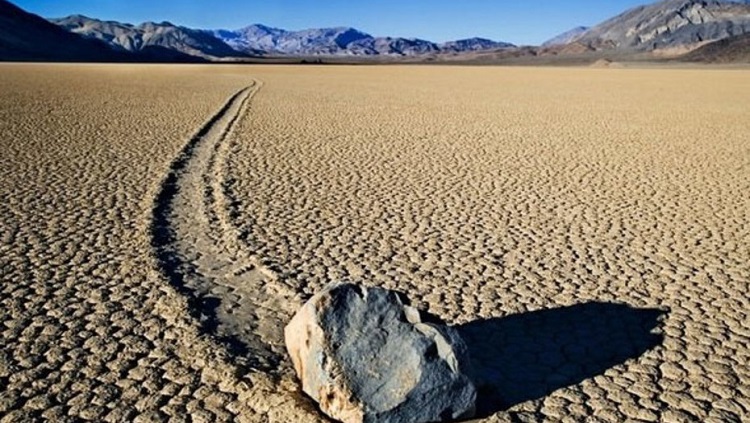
473	44
566	37
252	38
275	41
397	46
25	36
157	39
319	41
734	49
340	41
670	24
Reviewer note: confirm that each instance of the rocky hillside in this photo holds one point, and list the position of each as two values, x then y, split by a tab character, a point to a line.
566	37
156	38
670	24
25	36
729	50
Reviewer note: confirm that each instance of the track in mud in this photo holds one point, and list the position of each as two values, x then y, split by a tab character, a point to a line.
237	299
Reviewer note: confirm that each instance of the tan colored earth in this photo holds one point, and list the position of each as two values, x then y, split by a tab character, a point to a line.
587	230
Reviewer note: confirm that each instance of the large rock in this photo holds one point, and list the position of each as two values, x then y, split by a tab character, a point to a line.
365	356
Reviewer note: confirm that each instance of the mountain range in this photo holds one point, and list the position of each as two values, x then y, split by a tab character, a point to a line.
148	36
339	41
259	40
672	26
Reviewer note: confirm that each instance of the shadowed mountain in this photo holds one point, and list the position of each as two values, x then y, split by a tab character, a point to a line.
28	37
399	46
566	37
473	44
153	39
670	24
528	356
729	50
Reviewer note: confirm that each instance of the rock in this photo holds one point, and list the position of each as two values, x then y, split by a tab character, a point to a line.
365	356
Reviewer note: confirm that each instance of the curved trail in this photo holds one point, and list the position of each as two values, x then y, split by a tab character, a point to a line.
236	298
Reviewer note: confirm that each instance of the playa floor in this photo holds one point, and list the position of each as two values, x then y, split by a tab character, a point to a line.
587	230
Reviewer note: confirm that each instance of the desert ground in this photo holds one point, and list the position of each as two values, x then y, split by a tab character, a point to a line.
587	231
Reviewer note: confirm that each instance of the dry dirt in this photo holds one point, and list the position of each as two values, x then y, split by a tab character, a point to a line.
586	230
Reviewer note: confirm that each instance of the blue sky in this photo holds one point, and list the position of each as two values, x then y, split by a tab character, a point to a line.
519	22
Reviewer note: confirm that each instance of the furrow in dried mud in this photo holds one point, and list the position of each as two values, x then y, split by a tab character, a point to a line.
237	299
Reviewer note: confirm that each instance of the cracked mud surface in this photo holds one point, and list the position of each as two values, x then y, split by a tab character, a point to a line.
485	193
92	329
585	229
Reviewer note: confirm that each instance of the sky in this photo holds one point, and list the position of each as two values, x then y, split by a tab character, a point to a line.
523	22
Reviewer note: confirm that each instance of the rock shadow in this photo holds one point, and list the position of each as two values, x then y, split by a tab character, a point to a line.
528	356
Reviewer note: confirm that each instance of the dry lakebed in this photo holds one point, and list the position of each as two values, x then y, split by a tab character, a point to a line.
586	231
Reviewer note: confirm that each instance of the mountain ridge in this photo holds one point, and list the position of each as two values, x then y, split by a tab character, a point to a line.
566	37
341	41
147	36
25	36
473	44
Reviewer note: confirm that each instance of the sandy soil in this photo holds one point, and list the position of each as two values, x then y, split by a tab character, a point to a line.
586	229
